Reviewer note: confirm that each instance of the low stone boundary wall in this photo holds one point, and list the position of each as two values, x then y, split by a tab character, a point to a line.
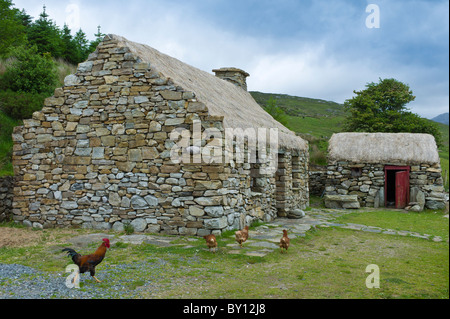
317	180
6	197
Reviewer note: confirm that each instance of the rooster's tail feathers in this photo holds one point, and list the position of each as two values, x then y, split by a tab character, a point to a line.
70	252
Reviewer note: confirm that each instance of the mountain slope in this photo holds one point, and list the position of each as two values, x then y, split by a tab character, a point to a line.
442	118
301	106
313	119
316	120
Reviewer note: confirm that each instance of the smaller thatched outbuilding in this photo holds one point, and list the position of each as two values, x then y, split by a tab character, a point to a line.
386	169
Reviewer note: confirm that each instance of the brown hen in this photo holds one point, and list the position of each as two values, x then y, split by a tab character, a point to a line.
242	235
211	242
284	241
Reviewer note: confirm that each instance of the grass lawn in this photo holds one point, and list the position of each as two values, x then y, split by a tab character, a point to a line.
327	263
426	222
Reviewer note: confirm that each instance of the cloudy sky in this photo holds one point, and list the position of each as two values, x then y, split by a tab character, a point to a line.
318	49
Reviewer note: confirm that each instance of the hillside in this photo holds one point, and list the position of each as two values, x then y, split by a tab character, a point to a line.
302	106
442	118
307	116
313	119
316	120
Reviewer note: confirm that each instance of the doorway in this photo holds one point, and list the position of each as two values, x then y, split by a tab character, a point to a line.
396	186
282	180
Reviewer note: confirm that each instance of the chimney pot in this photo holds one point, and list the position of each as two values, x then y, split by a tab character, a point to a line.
233	75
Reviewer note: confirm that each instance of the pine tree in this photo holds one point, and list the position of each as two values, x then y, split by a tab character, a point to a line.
25	18
98	38
82	46
69	51
46	35
12	32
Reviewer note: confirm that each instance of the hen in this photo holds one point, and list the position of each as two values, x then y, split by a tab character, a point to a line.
211	242
242	235
88	262
284	241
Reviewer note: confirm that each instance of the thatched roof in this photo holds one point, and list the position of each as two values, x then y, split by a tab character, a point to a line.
386	148
222	98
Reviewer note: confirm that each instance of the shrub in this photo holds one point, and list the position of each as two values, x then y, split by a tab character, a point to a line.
29	72
277	113
20	105
317	156
128	228
7	125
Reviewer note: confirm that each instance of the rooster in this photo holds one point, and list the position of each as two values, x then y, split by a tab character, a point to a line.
88	262
211	242
242	235
284	241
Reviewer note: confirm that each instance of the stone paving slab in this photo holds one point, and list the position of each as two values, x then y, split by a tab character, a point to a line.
257	253
264	244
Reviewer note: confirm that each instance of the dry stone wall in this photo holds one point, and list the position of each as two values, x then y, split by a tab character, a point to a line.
292	187
317	180
364	180
367	182
426	187
6	198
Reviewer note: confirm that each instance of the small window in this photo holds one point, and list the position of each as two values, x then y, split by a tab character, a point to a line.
255	179
356	172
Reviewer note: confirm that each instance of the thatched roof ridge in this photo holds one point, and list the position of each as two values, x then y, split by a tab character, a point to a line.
222	98
387	148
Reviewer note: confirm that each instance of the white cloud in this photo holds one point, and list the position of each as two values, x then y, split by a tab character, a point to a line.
334	55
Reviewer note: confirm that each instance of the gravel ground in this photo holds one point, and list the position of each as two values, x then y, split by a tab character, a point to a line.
120	281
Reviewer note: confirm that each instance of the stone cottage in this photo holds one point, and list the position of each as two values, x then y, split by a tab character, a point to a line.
384	170
136	136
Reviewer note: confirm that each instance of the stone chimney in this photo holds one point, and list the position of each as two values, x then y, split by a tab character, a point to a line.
236	76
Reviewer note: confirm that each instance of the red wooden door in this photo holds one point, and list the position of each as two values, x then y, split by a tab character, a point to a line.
401	189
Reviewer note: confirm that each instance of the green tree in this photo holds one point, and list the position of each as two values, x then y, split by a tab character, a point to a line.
98	38
12	32
82	46
277	113
45	34
25	19
381	107
69	49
